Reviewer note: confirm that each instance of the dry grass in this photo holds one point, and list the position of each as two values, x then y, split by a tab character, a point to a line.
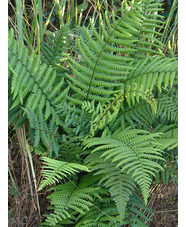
24	204
164	202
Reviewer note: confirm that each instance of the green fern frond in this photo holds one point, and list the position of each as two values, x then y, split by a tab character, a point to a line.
55	170
43	130
151	73
68	198
137	212
132	150
122	52
53	48
107	215
14	114
169	139
108	114
32	82
170	167
104	213
141	113
168	106
119	183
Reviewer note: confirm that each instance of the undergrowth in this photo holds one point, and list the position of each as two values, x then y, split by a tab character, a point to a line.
99	103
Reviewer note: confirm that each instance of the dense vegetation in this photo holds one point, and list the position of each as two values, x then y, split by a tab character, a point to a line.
98	101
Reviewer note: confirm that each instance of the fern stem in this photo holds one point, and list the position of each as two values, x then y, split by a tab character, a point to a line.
51	141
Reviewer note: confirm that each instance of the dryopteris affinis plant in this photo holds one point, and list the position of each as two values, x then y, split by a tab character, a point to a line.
115	99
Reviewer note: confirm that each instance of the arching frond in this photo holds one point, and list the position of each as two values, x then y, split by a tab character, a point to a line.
55	170
133	151
32	82
127	51
69	198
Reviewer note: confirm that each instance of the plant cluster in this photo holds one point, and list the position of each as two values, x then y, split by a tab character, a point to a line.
100	105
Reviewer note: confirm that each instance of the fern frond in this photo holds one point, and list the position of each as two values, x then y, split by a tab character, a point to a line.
137	212
119	183
170	167
122	53
108	114
107	215
68	198
55	170
168	106
169	139
53	48
43	130
132	150
141	113
32	82
151	73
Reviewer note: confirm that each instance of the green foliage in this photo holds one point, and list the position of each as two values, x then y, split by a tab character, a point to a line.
122	54
107	112
119	183
132	150
32	82
70	199
170	167
108	217
55	45
55	170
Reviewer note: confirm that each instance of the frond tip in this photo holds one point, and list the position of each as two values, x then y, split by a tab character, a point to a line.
119	183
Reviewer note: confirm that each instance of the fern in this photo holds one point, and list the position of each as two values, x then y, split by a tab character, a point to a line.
102	72
108	113
169	139
141	113
70	199
32	81
104	213
109	217
132	150
53	48
170	167
118	94
137	212
119	183
54	171
32	85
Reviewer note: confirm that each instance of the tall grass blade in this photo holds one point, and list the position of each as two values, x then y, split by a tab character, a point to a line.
168	21
59	10
40	10
19	20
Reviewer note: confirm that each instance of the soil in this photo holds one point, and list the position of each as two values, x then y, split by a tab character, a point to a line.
165	206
